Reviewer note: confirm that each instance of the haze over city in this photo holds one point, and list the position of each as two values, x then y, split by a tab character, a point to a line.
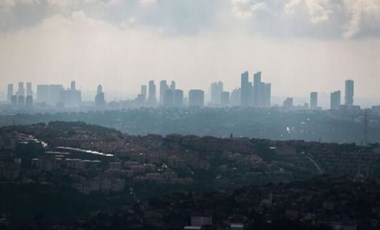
299	45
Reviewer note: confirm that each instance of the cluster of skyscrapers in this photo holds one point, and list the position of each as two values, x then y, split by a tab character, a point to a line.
255	94
335	97
53	95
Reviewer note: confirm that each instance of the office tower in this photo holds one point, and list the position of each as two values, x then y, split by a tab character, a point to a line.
196	98
225	98
288	103
257	89
21	89
168	98
143	93
29	101
235	97
313	100
172	85
49	94
349	93
163	87
10	93
152	99
216	93
335	100
21	101
72	97
29	90
267	95
178	98
99	98
14	100
246	90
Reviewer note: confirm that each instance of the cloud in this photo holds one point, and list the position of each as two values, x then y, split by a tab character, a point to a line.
245	9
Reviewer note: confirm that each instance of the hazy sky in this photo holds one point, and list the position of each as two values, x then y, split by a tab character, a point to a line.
299	45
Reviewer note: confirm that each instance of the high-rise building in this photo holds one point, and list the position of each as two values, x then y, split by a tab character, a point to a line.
216	93
29	90
335	100
168	98
143	93
163	87
288	103
225	98
73	86
349	93
21	89
152	98
178	98
246	90
257	90
267	95
29	101
10	93
235	97
172	85
99	98
313	100
196	98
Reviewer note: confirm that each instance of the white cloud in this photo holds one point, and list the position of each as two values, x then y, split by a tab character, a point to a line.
245	9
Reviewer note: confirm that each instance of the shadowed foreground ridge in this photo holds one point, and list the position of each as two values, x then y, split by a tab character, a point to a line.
78	175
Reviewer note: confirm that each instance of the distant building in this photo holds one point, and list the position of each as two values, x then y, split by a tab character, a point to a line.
152	97
168	98
267	95
196	98
29	101
21	100
172	85
9	93
99	98
49	94
235	97
216	93
288	103
29	90
14	100
163	87
21	89
178	98
257	90
313	100
335	100
71	97
246	90
144	92
349	93
225	98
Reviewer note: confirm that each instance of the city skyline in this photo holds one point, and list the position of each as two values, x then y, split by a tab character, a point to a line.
300	45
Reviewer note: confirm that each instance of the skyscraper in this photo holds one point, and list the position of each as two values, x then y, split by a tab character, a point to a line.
21	89
99	98
143	93
335	100
225	98
246	90
257	89
172	85
216	93
29	90
288	103
267	98
163	87
313	100
152	98
349	93
10	93
196	98
168	98
235	97
178	98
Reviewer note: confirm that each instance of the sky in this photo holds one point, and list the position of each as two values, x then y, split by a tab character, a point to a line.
299	45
